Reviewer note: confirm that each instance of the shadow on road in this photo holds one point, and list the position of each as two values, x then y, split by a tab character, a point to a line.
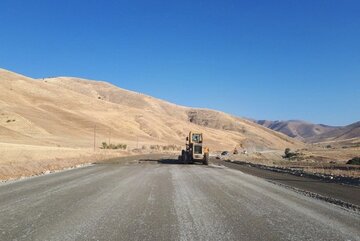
167	161
176	162
170	161
162	161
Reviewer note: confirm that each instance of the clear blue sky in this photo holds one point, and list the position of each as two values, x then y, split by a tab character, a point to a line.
265	59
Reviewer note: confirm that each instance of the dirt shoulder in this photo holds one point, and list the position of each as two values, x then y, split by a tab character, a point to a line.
17	169
18	161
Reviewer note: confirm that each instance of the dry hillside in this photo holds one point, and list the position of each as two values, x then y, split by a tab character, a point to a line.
64	112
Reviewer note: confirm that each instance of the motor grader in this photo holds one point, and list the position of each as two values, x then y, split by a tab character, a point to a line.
195	151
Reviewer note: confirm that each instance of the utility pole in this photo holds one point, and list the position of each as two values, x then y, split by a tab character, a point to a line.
94	137
109	135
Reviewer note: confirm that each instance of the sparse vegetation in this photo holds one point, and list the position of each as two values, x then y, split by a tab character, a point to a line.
105	145
354	161
171	148
155	147
8	121
165	148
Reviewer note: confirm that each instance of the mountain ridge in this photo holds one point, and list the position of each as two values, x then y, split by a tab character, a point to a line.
313	133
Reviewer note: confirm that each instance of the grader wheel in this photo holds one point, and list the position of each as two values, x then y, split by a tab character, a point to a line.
184	157
206	159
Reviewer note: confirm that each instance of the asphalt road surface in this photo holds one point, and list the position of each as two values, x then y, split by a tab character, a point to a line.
346	193
165	201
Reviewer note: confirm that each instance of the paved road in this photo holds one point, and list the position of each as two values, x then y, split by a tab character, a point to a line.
165	201
346	193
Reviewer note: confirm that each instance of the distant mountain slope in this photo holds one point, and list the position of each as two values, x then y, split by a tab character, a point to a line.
309	132
295	128
65	112
340	133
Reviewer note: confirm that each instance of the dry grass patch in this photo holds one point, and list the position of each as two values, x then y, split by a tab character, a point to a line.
27	160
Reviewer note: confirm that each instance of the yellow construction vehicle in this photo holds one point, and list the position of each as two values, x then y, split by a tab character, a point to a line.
194	151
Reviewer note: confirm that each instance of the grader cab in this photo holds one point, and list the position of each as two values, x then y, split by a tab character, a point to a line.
195	151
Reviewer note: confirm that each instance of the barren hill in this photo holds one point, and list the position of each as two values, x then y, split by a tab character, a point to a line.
314	133
66	111
301	130
340	133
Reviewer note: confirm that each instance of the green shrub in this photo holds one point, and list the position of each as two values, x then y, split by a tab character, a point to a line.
104	145
354	161
113	146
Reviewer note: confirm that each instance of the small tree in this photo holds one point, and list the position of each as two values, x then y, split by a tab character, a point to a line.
104	145
287	152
